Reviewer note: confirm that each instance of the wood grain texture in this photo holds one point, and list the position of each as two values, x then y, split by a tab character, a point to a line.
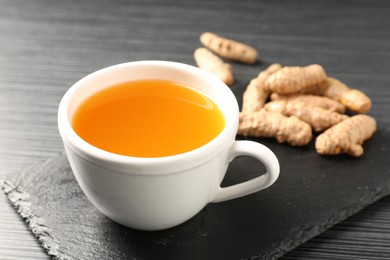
45	46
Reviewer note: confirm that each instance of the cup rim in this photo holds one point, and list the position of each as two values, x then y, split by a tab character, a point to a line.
146	164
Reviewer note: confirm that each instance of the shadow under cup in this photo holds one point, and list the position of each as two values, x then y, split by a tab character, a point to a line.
153	193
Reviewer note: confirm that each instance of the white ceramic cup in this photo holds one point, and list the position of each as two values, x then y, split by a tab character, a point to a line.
159	193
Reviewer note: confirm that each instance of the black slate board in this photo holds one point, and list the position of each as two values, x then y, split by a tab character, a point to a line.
312	194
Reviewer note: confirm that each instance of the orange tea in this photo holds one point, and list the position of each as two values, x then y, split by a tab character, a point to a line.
148	118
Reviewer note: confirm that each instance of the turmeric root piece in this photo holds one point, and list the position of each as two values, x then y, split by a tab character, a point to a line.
356	101
208	61
353	99
318	118
312	100
255	94
290	80
268	72
229	49
347	136
270	124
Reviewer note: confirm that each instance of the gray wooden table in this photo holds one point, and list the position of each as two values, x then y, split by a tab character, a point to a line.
47	45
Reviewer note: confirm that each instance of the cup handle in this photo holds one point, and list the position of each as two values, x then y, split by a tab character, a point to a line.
259	152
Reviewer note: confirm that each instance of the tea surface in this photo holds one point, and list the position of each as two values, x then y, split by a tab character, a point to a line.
148	118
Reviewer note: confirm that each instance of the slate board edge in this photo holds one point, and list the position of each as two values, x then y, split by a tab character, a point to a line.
19	200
